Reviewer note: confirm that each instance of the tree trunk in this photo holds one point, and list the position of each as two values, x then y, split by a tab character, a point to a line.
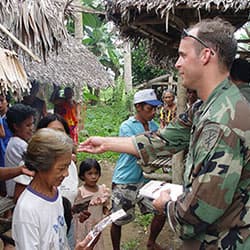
178	165
78	37
127	67
78	23
78	92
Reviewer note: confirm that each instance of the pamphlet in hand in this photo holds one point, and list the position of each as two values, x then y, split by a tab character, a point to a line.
81	205
153	189
105	222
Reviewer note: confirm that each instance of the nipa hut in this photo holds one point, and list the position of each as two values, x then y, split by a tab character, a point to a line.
27	24
160	22
39	26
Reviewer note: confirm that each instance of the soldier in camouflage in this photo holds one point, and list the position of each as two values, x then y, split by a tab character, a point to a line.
213	211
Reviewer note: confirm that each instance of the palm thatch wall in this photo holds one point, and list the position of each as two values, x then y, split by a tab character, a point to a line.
74	65
160	22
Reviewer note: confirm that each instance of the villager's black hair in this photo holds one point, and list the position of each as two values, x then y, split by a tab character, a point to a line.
86	165
45	121
17	114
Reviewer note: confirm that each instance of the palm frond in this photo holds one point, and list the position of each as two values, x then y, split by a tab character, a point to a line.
12	75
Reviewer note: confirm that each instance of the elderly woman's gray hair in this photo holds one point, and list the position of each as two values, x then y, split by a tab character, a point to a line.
168	91
45	146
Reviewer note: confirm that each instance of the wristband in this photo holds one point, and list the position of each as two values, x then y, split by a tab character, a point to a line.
166	207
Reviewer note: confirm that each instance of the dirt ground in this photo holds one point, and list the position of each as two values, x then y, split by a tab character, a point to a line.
133	231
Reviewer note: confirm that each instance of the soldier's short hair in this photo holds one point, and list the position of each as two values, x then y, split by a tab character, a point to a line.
219	34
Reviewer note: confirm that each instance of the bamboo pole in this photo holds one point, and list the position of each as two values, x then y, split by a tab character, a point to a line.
19	43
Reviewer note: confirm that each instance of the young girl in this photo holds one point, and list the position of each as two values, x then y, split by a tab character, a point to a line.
89	173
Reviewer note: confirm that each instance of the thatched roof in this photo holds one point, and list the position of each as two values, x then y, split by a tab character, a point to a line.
74	65
160	22
38	24
12	75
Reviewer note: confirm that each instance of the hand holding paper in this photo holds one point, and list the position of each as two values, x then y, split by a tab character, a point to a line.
160	202
161	192
153	189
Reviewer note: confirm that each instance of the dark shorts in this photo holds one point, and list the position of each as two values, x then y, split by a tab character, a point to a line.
125	196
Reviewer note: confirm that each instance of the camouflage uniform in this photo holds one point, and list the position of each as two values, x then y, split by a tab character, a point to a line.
245	90
213	212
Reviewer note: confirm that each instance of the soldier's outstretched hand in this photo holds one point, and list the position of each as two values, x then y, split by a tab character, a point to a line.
93	145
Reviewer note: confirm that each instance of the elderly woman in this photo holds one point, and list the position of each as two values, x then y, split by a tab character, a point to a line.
38	220
169	108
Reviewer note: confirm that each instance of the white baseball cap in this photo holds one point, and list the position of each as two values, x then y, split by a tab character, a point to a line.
148	96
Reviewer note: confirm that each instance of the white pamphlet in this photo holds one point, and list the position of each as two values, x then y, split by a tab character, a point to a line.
153	189
105	222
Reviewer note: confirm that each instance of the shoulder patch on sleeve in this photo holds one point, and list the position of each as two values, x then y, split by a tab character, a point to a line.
210	135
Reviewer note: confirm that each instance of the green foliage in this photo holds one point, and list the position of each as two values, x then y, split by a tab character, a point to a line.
118	91
117	95
141	70
103	120
95	4
131	245
87	96
91	20
97	36
70	26
144	220
100	41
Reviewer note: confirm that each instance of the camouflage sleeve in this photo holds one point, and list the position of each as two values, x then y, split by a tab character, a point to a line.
218	155
172	139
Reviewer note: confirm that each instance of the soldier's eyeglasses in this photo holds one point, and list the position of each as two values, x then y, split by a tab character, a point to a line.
186	34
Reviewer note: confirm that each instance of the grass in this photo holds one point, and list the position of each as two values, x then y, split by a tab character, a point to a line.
103	120
143	220
130	245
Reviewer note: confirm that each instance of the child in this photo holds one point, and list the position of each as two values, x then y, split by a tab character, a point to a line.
20	119
89	173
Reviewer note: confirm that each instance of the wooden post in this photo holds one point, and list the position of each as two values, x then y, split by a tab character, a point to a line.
178	165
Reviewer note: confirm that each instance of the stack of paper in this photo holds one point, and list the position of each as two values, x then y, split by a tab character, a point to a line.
153	189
